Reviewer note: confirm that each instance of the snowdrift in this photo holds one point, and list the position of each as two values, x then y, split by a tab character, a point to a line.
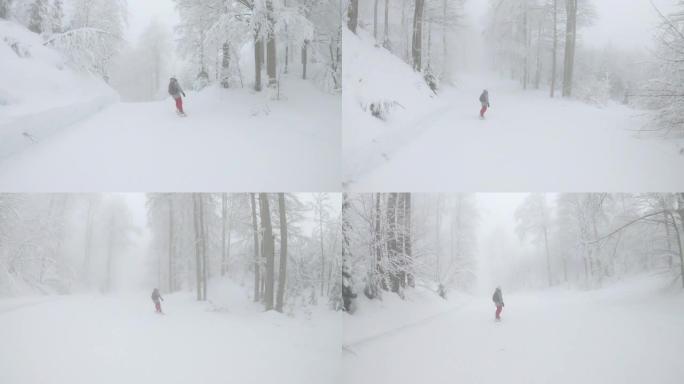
39	92
380	93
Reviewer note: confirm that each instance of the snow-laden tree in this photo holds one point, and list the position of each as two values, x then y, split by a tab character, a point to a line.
199	237
5	8
140	72
664	93
94	35
533	219
534	41
421	32
216	33
395	242
39	17
59	243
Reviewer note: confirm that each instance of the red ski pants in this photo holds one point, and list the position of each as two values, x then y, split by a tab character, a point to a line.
498	311
483	110
157	305
179	104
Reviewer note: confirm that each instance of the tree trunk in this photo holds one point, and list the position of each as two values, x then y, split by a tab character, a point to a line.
198	246
353	14
548	256
203	242
375	20
554	54
268	250
282	273
537	76
408	242
305	58
417	40
110	253
320	233
258	59
392	248
526	45
255	233
386	25
225	66
271	48
347	286
171	243
88	242
570	40
679	243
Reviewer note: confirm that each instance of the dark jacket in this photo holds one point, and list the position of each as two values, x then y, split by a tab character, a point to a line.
484	98
498	297
175	89
156	296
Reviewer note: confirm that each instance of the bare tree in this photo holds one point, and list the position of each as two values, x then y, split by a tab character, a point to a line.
570	42
554	53
282	273
255	233
353	15
417	40
268	249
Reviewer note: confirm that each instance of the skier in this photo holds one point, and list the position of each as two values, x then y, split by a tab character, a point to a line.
157	299
176	91
498	301
484	100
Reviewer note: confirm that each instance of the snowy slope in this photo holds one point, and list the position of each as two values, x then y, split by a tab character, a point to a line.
119	339
630	333
231	140
527	143
373	75
39	93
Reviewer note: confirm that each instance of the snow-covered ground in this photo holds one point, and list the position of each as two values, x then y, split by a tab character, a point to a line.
65	131
630	333
119	339
231	140
528	142
40	94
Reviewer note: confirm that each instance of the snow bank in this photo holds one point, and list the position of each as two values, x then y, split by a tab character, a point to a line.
263	145
375	319
376	80
39	92
630	332
528	142
119	339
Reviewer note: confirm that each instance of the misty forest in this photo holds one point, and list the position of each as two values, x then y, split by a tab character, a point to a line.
93	78
589	281
558	86
242	278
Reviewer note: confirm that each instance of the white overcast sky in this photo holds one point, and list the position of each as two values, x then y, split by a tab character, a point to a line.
625	24
142	12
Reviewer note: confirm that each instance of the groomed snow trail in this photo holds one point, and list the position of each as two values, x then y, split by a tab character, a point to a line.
86	339
231	140
548	337
528	142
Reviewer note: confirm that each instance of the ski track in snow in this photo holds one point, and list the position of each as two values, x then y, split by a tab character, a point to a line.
544	337
528	142
231	140
119	339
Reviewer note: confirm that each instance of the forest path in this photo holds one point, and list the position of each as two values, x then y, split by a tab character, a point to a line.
528	142
119	339
231	140
548	337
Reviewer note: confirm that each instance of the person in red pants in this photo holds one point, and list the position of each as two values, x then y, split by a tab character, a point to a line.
484	100
157	299
498	301
176	91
